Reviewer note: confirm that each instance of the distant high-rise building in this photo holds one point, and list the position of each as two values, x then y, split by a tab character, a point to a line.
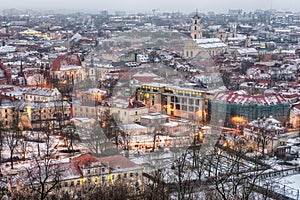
104	12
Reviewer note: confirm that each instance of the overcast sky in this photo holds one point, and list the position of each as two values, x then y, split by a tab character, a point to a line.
148	5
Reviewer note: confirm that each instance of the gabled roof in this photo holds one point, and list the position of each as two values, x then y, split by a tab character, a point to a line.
66	62
84	160
118	162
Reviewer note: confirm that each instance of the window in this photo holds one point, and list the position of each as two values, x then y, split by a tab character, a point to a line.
191	108
66	184
72	184
136	174
125	175
172	98
88	171
177	107
119	176
103	179
78	183
131	174
191	101
136	112
113	177
103	169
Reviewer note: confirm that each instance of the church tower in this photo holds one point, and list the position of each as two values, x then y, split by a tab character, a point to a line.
248	41
196	27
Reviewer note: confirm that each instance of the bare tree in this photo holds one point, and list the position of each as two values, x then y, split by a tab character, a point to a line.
44	176
111	127
2	134
12	141
12	135
231	173
94	138
156	187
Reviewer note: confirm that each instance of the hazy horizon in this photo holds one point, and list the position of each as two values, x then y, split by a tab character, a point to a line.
147	6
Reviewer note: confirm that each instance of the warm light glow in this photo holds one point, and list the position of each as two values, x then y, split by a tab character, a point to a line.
238	120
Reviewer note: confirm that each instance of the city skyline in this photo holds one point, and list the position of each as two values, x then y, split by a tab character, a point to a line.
148	6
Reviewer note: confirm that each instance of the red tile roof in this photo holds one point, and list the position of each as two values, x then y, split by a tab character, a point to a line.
234	97
85	159
65	61
118	161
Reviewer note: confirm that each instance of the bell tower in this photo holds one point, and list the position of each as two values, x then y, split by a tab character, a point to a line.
196	27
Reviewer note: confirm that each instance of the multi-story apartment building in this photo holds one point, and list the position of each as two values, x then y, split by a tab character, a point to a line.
58	112
7	107
41	94
83	171
129	111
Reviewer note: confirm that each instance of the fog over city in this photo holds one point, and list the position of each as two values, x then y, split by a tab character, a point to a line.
146	6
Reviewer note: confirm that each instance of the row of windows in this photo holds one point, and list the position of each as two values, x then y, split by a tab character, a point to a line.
36	98
103	179
92	110
184	100
186	108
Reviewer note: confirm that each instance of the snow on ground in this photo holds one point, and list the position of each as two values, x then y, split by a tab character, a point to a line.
291	181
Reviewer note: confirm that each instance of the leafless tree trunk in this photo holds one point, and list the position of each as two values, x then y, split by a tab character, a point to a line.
44	176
